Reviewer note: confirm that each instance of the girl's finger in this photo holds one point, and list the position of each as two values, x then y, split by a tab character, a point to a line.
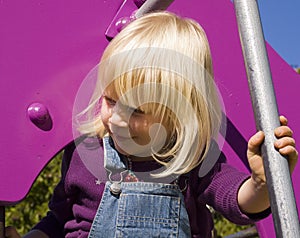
285	141
289	151
291	154
254	142
283	131
283	120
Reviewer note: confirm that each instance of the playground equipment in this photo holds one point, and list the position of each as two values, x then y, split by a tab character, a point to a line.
280	188
47	48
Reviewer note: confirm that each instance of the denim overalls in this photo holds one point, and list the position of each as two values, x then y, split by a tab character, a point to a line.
138	209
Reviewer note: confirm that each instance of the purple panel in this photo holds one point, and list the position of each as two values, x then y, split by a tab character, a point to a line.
47	48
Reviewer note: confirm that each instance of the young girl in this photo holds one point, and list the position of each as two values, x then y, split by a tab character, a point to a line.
158	121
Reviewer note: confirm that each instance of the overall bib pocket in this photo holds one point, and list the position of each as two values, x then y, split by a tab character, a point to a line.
147	215
141	210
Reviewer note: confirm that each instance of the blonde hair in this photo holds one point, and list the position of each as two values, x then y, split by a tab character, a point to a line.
166	61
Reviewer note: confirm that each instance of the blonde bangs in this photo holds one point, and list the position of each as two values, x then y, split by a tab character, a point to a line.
152	72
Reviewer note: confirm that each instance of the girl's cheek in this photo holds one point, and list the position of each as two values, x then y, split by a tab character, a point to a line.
105	114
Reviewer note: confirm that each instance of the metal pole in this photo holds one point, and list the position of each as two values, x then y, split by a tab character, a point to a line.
153	5
2	222
264	104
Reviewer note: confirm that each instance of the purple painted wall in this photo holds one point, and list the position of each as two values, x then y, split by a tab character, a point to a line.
48	47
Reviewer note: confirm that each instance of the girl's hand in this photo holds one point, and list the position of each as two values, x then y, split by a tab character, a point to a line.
253	195
11	232
285	144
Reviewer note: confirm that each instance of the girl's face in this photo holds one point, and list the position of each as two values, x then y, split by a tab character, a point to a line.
135	133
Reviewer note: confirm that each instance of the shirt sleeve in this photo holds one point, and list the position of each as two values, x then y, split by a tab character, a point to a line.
219	189
60	205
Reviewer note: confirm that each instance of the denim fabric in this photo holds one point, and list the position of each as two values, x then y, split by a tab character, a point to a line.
140	209
112	161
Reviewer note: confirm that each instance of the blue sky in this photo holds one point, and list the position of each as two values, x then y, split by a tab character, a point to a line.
281	25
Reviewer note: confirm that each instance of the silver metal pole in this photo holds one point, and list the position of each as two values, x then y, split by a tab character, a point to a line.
264	104
153	5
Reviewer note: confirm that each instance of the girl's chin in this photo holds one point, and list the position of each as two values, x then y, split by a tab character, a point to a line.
134	152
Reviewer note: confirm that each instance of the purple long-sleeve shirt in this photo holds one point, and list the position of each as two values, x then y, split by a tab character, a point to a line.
78	194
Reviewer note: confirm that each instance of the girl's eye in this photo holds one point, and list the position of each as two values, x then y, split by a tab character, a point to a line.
110	101
138	111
